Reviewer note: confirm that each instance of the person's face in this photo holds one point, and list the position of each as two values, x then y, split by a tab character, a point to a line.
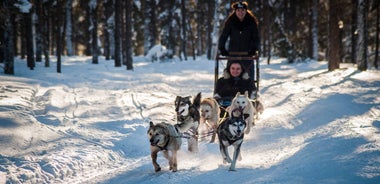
235	69
240	13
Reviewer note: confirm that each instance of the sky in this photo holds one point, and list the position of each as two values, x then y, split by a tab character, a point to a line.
88	124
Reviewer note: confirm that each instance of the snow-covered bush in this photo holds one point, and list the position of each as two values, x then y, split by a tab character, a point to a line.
159	53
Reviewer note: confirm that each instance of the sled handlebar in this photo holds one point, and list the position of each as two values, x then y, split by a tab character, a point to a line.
237	56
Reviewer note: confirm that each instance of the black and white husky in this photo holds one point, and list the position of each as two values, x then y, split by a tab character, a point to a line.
231	132
188	119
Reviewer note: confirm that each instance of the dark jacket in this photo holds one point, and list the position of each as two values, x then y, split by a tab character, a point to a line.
227	87
244	35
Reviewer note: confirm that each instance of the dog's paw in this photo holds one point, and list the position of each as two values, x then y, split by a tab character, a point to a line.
157	169
232	169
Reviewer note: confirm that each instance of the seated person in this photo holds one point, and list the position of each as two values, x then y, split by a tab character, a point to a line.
234	80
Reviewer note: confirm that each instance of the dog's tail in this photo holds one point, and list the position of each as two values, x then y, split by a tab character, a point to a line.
197	101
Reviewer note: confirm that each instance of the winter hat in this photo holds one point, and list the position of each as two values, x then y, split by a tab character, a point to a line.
240	4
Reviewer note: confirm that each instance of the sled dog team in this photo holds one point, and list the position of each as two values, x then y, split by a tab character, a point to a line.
199	119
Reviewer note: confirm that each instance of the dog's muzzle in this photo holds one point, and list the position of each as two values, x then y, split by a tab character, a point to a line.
153	143
179	113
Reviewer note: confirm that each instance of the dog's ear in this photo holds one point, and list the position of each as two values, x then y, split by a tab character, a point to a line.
238	93
151	124
176	100
197	100
246	93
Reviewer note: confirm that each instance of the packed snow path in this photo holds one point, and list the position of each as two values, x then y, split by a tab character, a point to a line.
88	124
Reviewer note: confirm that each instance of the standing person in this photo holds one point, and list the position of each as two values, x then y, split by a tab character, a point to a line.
241	27
234	80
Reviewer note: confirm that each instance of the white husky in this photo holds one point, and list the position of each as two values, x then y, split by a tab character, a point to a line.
242	102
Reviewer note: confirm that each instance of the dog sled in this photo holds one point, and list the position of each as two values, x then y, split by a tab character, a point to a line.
238	56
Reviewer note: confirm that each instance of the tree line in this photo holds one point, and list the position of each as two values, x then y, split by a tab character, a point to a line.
333	30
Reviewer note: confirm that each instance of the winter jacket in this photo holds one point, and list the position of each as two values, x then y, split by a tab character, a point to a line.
227	87
244	35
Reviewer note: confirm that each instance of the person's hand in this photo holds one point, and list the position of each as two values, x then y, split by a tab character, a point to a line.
223	52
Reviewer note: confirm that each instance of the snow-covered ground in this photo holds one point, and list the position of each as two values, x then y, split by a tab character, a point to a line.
88	124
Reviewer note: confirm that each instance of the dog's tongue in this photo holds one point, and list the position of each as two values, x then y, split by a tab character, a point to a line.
179	113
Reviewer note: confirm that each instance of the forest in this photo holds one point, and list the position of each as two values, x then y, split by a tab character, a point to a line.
299	30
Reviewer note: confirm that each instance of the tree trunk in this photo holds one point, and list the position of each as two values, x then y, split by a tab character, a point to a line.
212	43
354	21
8	39
69	43
150	32
333	48
87	31
94	30
59	31
129	34
362	59
117	33
2	42
38	26
314	30
29	39
184	31
108	11
376	62
45	32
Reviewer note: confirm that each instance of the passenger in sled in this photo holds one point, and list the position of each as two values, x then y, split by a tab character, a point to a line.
235	79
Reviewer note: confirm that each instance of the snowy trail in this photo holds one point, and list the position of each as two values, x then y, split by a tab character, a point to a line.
90	127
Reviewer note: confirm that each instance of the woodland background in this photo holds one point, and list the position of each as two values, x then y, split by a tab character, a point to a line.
333	30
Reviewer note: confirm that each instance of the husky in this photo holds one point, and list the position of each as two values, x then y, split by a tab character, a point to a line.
188	119
164	137
259	107
242	102
210	113
231	132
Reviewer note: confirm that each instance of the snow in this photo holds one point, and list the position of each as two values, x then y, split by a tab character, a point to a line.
88	124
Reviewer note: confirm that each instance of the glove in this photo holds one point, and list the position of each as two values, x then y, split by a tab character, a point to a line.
223	52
